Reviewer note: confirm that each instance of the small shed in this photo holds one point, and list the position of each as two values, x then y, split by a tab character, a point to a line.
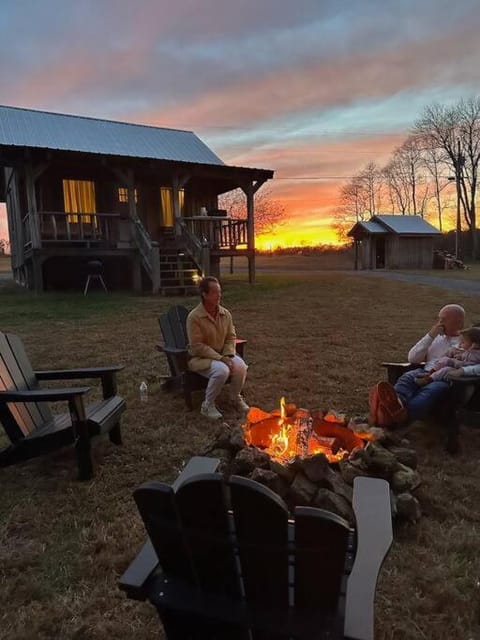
393	242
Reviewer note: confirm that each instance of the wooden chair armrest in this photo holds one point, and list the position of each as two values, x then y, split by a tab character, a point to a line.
72	374
107	374
396	369
371	504
134	580
465	380
194	467
39	395
172	350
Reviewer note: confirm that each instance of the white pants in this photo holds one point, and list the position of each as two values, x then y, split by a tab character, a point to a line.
218	374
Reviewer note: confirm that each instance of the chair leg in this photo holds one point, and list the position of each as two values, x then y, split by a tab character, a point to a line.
86	286
84	458
103	284
115	434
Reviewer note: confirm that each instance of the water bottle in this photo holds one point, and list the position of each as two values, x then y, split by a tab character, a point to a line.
143	392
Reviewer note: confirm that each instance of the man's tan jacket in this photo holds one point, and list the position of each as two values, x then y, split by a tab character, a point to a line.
208	338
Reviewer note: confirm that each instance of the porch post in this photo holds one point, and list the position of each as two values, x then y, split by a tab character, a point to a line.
178	182
32	207
132	205
250	189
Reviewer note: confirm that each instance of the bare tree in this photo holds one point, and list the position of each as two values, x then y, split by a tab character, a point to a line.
436	161
456	130
359	199
407	178
270	213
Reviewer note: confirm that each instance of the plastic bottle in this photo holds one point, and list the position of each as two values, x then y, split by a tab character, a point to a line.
143	392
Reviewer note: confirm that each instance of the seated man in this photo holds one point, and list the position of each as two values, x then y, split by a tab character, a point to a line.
407	399
211	338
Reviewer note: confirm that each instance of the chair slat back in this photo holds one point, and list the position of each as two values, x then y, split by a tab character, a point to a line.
16	374
261	525
235	539
173	325
321	544
207	529
156	504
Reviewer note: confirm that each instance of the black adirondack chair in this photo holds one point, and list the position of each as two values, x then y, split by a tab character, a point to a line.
26	417
460	406
173	326
225	561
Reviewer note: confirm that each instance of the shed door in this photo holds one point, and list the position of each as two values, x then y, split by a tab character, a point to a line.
380	253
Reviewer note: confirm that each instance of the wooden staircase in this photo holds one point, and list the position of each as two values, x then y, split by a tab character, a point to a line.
178	273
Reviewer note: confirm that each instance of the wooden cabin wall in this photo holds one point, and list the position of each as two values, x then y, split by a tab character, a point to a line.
415	253
14	218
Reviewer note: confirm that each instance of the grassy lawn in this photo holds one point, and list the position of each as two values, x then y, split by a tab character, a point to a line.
317	339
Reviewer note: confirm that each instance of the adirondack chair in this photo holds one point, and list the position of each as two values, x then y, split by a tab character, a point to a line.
26	417
173	326
225	561
460	406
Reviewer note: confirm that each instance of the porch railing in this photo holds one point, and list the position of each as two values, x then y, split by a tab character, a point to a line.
217	233
58	226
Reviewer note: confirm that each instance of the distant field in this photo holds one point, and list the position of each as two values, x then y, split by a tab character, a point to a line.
293	263
5	265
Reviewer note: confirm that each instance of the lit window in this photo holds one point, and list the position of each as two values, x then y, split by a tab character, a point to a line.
123	194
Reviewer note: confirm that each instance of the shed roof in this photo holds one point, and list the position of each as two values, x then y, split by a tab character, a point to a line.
41	129
396	224
406	224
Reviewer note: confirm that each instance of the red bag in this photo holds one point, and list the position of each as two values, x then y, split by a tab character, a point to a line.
385	407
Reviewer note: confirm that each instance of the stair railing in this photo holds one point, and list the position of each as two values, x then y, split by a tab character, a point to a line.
197	247
149	252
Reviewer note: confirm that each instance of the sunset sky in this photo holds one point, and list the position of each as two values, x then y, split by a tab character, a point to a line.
313	89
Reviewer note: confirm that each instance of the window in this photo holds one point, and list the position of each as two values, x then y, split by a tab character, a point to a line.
79	197
123	195
166	201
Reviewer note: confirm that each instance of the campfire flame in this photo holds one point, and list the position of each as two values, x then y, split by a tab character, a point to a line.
291	432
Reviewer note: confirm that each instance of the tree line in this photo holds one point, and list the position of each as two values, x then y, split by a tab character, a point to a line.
442	147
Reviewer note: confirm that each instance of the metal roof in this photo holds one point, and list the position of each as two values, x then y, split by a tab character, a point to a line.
41	129
371	227
405	224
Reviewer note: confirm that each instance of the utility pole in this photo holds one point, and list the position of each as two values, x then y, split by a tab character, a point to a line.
459	162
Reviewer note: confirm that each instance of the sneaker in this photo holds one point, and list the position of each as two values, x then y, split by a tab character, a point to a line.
210	411
240	404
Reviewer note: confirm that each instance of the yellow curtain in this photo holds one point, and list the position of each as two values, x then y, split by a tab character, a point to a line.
79	197
166	197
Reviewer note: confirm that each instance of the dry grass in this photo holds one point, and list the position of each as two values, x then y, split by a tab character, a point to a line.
5	264
318	340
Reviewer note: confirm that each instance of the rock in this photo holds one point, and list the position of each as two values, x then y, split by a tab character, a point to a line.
337	484
284	471
349	471
316	467
359	457
237	438
405	479
302	490
381	462
222	454
408	507
405	456
271	480
326	499
247	460
220	439
393	504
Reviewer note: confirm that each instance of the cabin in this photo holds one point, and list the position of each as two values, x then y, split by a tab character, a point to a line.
393	242
141	201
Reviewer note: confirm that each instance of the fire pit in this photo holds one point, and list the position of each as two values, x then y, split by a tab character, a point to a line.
290	432
311	458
